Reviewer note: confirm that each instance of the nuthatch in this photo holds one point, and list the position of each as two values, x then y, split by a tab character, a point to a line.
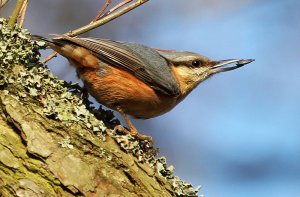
135	79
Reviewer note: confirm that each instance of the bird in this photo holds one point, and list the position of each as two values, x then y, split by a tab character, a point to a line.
135	79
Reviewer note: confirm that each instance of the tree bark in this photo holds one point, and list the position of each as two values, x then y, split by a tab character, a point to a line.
51	145
35	160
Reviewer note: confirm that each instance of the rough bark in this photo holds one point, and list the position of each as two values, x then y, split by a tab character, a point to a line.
35	160
51	145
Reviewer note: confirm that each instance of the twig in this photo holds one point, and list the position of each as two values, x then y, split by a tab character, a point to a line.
102	10
49	57
117	7
106	19
14	16
3	2
23	13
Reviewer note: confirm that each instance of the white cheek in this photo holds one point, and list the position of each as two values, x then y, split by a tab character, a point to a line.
191	75
200	71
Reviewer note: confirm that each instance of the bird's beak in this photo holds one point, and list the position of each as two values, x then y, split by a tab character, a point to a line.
223	65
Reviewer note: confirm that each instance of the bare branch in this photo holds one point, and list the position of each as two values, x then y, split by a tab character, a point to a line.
101	11
117	7
49	57
3	2
14	16
109	16
23	13
106	19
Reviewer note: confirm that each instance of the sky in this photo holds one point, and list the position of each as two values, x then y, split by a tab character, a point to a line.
238	133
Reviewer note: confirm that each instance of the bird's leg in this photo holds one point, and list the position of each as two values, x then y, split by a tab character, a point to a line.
132	130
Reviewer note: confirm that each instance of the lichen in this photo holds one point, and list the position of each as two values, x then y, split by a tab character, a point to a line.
20	68
28	80
66	143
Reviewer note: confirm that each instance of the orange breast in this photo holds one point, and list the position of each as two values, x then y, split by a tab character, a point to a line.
114	87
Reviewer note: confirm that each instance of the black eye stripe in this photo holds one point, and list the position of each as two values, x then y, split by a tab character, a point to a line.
196	62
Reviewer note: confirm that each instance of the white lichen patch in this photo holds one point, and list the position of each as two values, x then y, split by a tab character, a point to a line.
16	49
66	143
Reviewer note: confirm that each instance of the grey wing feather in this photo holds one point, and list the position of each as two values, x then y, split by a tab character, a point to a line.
145	63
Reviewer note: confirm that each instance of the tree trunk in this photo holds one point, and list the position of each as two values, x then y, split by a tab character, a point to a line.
51	145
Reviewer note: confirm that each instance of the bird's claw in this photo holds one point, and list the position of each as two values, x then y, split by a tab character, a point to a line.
134	133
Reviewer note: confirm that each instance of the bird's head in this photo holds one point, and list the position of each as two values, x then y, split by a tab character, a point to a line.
190	68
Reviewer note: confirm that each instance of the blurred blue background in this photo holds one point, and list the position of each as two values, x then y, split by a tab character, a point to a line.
237	134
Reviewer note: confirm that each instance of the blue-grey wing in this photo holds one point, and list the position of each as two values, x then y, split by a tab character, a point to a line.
142	61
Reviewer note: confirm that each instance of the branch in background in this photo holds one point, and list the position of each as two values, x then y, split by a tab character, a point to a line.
23	13
109	16
105	19
101	11
117	7
3	2
14	16
108	2
49	57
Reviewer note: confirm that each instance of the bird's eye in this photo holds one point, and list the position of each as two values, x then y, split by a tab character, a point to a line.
196	63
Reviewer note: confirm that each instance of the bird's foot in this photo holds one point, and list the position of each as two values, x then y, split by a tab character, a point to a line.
134	133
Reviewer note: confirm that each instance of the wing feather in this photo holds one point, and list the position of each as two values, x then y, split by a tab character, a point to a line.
125	57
